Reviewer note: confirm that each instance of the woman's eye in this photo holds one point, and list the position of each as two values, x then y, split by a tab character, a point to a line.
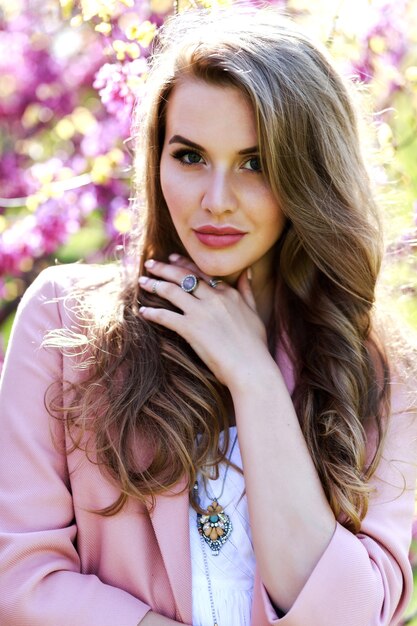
253	164
188	157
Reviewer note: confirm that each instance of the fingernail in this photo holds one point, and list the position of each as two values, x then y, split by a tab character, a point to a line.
249	273
143	280
142	309
149	263
174	257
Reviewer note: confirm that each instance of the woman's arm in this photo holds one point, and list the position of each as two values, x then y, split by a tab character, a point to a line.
291	520
350	579
365	579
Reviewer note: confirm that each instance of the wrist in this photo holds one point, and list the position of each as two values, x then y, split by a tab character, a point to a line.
257	372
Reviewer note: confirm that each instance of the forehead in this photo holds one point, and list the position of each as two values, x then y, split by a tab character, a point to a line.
207	113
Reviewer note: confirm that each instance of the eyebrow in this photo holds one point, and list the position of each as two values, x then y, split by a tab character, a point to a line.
196	146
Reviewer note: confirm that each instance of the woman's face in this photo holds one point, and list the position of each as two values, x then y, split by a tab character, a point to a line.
219	200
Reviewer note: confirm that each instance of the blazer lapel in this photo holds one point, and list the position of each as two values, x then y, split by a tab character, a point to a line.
170	520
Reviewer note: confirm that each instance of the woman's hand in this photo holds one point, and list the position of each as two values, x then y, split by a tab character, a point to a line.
221	324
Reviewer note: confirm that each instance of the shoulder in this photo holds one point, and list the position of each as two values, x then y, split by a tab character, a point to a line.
65	285
54	299
61	280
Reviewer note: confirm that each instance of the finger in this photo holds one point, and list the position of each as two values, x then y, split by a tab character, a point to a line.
245	289
175	274
166	271
167	290
218	284
163	317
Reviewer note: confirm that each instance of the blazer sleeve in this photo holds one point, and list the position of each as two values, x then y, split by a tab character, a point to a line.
364	579
40	579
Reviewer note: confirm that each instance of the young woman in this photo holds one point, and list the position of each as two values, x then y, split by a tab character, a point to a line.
215	435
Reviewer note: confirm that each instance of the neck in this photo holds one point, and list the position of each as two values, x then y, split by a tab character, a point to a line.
263	285
263	291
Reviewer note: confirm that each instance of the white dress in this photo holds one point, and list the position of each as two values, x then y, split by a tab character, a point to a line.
232	570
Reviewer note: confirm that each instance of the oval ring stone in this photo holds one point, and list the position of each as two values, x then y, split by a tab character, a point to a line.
189	283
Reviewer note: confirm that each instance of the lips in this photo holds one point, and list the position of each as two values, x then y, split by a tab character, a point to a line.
219	230
219	236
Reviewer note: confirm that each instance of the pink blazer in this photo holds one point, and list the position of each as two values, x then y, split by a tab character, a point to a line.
63	565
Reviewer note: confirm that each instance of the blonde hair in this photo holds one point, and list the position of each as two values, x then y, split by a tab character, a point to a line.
327	263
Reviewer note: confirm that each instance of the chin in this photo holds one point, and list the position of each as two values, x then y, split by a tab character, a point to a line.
216	263
228	275
214	268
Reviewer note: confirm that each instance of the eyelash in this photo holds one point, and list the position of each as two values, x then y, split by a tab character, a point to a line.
180	154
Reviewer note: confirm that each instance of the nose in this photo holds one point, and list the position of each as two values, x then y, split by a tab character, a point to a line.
219	195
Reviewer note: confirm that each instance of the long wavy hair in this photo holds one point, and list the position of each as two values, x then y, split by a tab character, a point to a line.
143	382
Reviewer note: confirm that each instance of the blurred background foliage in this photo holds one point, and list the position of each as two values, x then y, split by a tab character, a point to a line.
70	73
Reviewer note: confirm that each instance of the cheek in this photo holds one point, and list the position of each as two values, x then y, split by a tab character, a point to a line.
176	193
277	225
278	218
270	212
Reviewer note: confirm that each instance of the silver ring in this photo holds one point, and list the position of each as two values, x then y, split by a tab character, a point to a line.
155	286
189	283
213	282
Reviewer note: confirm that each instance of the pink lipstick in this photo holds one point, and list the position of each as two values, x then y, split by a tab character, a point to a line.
218	236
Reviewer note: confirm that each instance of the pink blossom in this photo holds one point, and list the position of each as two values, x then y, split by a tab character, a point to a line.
118	89
388	26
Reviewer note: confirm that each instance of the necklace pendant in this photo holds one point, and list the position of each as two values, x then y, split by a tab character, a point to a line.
214	527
